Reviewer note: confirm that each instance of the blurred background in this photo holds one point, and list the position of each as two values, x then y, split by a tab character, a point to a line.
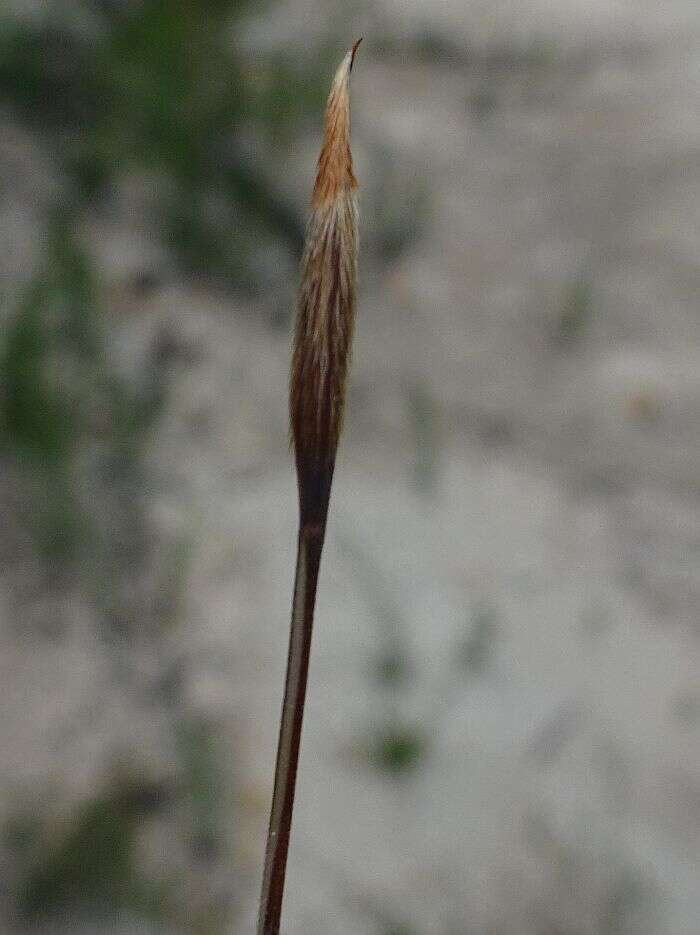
503	726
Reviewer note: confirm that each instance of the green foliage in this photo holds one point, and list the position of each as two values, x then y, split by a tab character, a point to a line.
202	784
34	420
399	749
21	833
49	345
53	332
93	864
160	88
59	393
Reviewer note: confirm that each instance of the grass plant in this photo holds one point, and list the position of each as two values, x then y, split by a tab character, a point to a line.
322	342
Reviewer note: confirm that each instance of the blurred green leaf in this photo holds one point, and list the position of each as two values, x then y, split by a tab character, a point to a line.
202	777
160	88
35	419
93	863
398	749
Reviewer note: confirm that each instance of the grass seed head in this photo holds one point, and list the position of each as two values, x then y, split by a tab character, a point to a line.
326	304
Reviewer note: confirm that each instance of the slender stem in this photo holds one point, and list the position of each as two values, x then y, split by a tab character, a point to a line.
322	338
310	545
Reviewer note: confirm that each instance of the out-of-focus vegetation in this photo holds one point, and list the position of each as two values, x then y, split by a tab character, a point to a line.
93	866
61	397
161	90
161	107
111	91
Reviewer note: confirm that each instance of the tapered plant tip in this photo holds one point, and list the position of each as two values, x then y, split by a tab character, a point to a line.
322	343
353	51
334	171
325	305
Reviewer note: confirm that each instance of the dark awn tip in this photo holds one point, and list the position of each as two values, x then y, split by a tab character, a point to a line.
354	50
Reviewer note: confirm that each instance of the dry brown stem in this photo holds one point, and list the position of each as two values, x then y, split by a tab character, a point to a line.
322	340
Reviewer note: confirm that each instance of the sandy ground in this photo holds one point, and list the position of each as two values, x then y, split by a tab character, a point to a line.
519	470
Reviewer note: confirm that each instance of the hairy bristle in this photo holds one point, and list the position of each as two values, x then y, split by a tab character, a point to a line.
335	162
325	310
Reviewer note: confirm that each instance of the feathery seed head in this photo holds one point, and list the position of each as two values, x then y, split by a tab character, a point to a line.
335	162
326	304
323	334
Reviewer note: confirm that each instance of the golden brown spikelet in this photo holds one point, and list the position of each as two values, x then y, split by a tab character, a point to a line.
324	326
326	304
